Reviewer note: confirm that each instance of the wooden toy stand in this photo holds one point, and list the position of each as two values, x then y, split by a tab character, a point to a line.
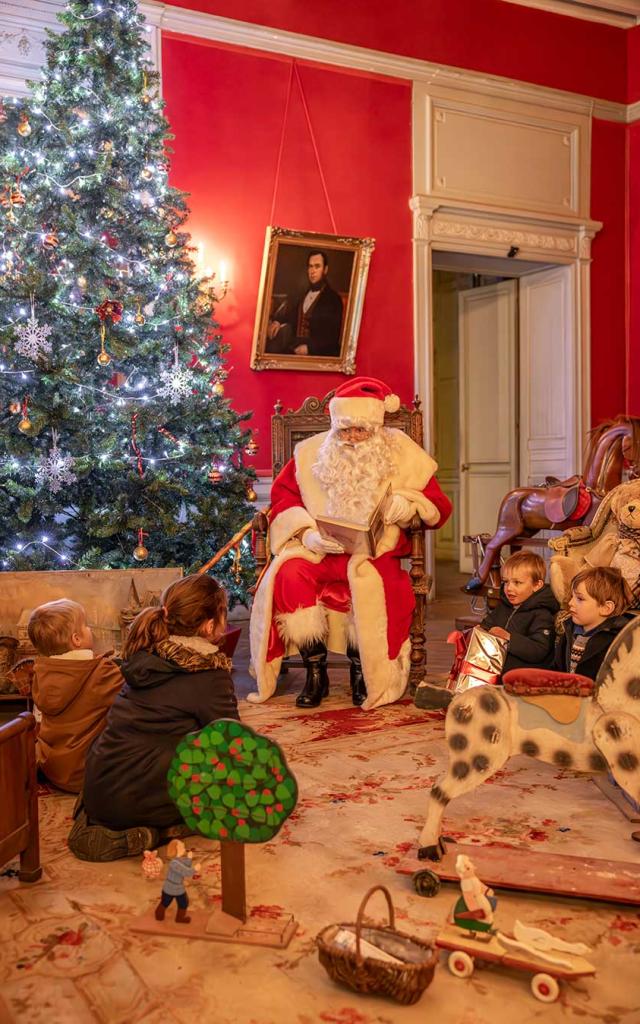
613	881
232	922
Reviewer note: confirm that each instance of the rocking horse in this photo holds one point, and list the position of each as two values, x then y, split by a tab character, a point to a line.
613	447
595	728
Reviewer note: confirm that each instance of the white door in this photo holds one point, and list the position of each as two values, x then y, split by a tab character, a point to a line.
548	371
487	320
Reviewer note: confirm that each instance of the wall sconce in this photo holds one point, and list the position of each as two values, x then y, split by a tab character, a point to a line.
212	285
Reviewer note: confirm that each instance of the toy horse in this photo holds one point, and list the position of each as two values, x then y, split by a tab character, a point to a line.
566	720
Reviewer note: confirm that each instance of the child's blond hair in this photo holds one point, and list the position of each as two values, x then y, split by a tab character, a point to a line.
530	562
52	625
605	584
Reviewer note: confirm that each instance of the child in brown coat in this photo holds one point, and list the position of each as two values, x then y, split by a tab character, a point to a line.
72	688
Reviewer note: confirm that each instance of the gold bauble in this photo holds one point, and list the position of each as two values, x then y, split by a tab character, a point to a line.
106	146
215	476
139	319
251	495
146	173
24	128
81	281
25	426
140	553
218	389
15	407
104	358
146	98
171	239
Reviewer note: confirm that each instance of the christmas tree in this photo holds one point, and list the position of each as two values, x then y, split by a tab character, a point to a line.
117	445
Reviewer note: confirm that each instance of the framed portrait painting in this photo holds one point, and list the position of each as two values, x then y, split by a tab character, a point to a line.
310	303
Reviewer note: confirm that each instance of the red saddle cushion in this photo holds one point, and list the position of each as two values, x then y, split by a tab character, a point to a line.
537	682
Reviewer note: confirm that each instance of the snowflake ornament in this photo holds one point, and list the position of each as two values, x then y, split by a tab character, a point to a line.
55	470
33	338
177	382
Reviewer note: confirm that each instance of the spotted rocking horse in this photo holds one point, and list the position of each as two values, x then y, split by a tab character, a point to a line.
613	447
565	720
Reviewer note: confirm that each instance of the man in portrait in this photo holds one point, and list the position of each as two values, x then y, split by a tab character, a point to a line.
311	324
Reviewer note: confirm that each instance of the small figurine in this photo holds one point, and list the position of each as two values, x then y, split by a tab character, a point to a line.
180	868
475	907
151	864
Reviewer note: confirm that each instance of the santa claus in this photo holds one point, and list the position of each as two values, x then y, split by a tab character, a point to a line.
314	596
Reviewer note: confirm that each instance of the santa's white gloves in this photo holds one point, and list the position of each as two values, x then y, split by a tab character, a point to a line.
313	541
399	510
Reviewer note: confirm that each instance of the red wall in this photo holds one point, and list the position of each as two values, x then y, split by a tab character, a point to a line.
483	35
608	270
633	351
226	110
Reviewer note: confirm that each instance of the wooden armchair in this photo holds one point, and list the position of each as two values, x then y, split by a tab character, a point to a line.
287	428
19	804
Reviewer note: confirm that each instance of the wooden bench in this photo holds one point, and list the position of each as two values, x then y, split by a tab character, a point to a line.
19	804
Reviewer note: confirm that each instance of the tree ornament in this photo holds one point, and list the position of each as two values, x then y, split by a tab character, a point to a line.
15	407
214	475
140	552
103	356
110	309
171	238
107	213
24	128
106	146
25	426
55	469
81	281
3	113
33	338
177	381
146	173
252	448
11	196
218	389
51	240
251	494
139	317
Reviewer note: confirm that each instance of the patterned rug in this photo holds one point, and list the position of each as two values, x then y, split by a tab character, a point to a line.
67	954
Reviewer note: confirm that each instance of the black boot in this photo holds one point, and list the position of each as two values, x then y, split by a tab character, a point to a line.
314	656
358	685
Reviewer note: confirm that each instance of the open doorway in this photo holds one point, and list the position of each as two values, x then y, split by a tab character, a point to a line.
502	386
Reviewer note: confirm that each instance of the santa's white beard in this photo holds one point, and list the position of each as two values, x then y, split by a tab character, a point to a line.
352	475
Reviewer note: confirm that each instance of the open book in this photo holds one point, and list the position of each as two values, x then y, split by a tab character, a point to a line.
357	538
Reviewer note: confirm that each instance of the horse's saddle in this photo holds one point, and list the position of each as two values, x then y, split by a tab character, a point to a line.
538	682
562	498
560	694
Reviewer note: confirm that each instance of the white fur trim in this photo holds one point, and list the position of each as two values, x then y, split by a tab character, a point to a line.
391	403
303	626
386	679
287	524
345	411
194	643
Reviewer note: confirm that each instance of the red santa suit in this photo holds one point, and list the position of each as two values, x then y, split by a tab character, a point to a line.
341	599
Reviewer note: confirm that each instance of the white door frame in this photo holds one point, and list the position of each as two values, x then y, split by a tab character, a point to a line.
441	226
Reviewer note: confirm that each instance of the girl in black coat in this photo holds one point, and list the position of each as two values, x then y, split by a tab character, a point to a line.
176	682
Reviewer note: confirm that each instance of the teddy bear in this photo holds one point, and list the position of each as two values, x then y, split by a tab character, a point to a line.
618	545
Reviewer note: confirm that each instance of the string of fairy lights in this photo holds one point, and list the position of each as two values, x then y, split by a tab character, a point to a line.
132	389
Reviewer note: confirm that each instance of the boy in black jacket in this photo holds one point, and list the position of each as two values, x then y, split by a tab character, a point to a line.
526	613
599	598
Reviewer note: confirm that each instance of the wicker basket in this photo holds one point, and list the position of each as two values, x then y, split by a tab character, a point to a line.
405	982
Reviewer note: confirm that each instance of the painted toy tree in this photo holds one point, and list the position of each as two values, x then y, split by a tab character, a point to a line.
116	443
232	784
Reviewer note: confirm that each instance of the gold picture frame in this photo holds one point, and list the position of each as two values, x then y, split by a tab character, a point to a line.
312	289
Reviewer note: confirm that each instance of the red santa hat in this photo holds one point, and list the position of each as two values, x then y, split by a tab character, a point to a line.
362	401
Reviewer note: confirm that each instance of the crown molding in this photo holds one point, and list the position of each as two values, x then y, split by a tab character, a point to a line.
621	13
169	18
22	25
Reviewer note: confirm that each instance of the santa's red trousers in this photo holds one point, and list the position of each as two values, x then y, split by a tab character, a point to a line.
302	584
